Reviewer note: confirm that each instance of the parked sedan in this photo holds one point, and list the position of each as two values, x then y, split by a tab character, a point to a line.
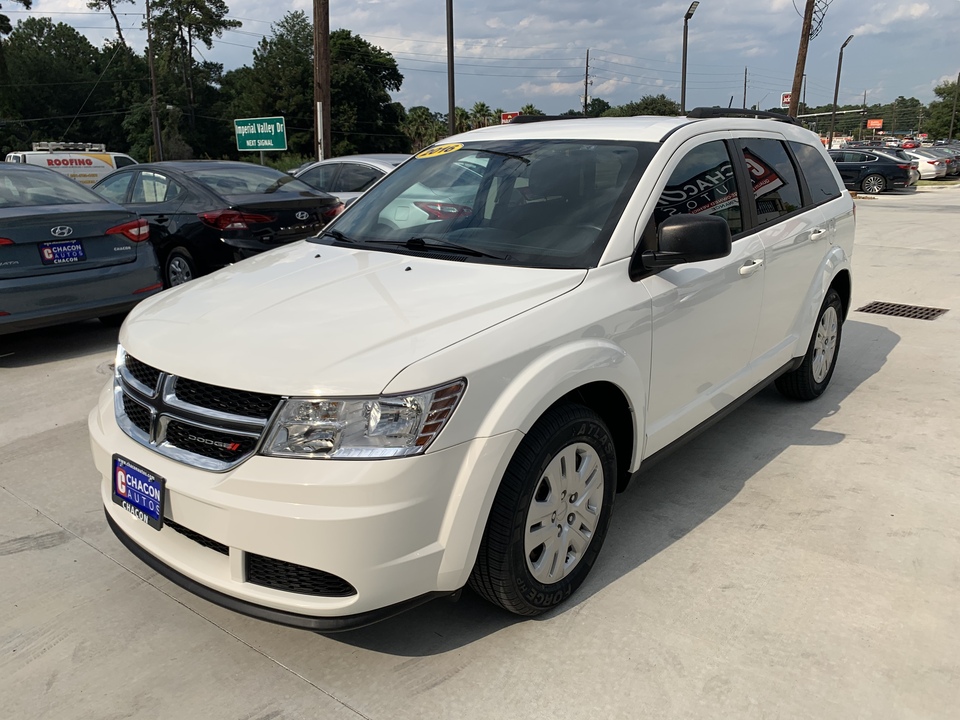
931	167
348	177
66	253
873	171
206	214
951	155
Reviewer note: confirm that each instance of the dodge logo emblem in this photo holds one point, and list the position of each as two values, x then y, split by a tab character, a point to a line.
303	215
61	231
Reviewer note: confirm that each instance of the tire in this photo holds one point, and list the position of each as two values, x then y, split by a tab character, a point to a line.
179	267
519	565
874	184
809	380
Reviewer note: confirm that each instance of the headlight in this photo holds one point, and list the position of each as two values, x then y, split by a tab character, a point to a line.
386	426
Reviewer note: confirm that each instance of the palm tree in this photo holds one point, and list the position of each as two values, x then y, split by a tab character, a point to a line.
421	127
497	114
461	120
530	109
480	115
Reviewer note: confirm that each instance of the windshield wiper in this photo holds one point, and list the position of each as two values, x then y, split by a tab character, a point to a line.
426	243
338	236
521	158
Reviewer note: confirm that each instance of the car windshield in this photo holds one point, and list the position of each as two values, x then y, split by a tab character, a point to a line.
532	203
242	179
42	187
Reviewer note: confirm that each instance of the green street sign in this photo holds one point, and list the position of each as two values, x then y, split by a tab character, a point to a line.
260	134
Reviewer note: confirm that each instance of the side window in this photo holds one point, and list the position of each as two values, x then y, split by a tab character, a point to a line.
869	158
820	180
357	178
114	187
124	160
154	188
703	182
322	176
776	189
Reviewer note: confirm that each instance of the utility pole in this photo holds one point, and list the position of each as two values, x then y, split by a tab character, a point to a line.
586	83
154	120
953	116
801	58
451	102
744	87
863	117
321	75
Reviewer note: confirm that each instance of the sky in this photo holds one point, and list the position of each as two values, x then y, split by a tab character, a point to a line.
510	53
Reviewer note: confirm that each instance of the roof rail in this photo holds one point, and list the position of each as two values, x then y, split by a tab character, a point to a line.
702	113
89	147
541	118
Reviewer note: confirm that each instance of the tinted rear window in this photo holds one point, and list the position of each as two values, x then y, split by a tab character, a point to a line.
820	180
242	179
42	187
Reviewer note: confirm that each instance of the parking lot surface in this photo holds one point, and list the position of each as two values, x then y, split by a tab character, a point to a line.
795	561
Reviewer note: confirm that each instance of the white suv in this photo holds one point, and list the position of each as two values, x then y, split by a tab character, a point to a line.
326	434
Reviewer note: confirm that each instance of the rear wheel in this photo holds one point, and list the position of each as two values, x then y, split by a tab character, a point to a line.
874	184
179	267
809	380
550	515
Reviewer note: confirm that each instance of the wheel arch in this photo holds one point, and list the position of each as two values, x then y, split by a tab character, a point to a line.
844	287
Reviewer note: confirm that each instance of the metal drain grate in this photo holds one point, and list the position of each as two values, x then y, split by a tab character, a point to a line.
916	312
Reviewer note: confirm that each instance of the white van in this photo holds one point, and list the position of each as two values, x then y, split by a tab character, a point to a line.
87	163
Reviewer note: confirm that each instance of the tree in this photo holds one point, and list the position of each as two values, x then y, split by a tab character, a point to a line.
480	115
940	112
422	127
111	6
364	118
647	105
530	109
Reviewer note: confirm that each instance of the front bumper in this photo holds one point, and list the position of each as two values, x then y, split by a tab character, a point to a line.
400	531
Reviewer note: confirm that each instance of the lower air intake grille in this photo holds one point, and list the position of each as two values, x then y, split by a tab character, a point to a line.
916	312
280	575
197	537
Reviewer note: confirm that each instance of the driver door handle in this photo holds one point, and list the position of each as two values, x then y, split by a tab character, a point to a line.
817	233
751	267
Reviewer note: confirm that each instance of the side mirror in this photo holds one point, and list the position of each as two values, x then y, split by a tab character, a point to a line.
686	239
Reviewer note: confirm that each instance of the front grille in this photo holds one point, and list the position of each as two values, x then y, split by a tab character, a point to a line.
202	425
197	537
219	445
289	577
235	402
142	372
138	414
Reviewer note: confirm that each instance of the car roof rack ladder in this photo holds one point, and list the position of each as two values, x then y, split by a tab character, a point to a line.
702	113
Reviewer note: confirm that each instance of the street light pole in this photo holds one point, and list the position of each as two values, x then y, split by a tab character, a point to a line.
683	68
836	92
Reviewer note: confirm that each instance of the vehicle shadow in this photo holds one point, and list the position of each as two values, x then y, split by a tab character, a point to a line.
670	500
36	347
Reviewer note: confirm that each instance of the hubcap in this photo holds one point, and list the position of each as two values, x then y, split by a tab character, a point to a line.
825	346
563	514
874	184
178	271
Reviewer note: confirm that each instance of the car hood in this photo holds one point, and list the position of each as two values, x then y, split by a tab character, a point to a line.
310	319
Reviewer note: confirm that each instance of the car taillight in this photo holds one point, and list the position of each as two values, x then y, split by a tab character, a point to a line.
904	167
233	219
443	211
332	212
6	241
136	230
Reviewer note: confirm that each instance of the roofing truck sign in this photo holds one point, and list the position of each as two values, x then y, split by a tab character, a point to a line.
261	133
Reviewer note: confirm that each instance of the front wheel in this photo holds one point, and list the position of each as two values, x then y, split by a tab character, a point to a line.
874	184
809	380
550	514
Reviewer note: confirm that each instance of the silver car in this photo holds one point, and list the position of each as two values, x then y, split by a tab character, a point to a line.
350	176
66	253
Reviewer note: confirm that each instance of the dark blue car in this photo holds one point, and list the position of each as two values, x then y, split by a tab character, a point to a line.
66	253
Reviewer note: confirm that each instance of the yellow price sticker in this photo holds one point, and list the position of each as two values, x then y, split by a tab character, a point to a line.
438	150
